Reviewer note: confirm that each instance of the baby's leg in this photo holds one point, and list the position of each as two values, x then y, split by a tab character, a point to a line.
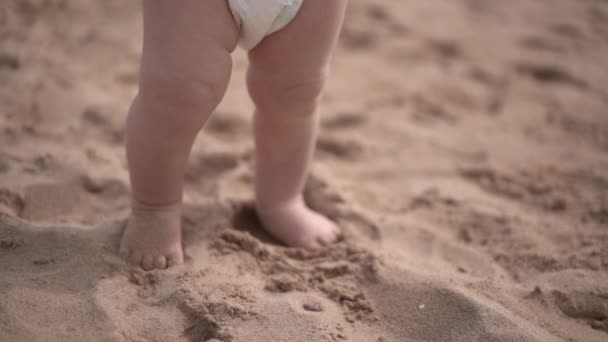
184	73
285	79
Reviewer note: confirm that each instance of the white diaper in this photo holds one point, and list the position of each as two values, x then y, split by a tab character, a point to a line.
259	18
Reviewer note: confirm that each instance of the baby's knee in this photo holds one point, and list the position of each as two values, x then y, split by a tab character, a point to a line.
296	95
178	100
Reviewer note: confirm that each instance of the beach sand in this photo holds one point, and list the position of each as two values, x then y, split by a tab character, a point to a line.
463	150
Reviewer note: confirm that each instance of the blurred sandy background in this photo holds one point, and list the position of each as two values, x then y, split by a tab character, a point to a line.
464	150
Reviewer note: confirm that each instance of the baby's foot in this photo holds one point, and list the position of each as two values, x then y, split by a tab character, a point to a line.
297	225
153	237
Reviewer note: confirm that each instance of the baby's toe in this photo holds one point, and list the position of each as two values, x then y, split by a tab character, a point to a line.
313	245
329	236
160	262
175	259
325	240
147	262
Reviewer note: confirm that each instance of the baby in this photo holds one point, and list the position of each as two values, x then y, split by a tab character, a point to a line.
185	69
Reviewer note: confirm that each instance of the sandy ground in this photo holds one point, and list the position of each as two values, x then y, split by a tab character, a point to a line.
464	150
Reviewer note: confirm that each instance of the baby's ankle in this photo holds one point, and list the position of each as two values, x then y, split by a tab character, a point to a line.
139	207
267	206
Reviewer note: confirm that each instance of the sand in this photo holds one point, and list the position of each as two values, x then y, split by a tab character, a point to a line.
464	151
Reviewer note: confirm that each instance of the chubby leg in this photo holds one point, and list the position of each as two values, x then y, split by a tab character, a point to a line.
285	78
185	69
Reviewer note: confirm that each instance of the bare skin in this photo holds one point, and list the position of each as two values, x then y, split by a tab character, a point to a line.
185	70
286	75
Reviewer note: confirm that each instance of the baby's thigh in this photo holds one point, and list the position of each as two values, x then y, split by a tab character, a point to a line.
182	37
303	48
186	52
